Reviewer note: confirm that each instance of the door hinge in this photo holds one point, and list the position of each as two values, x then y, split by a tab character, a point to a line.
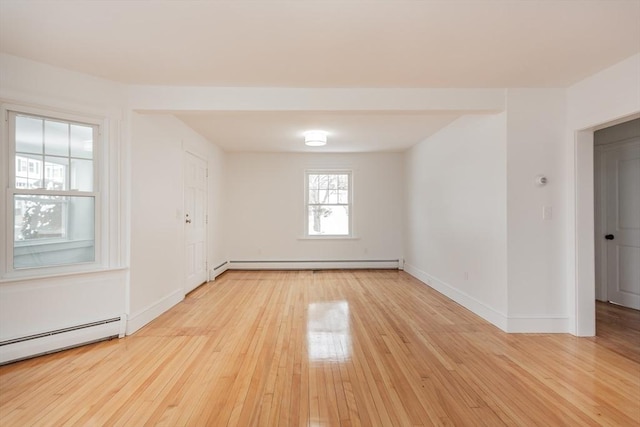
206	219
207	172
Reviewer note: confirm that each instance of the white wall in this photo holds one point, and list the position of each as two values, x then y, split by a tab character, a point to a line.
265	201
612	94
158	143
601	100
536	247
474	210
35	305
456	214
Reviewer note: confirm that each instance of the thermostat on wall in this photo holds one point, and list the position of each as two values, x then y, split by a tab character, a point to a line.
541	180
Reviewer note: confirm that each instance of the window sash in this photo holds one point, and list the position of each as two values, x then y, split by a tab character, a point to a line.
13	190
339	186
40	168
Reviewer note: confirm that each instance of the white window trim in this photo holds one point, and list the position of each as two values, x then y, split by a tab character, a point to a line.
7	180
306	235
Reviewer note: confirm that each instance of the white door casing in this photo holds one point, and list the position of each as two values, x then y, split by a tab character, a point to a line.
195	221
622	223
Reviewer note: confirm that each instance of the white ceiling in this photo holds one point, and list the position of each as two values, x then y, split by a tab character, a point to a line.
348	131
322	44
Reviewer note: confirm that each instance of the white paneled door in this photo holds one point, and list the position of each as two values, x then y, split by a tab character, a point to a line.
195	221
623	224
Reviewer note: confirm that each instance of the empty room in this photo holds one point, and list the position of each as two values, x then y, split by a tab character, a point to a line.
320	213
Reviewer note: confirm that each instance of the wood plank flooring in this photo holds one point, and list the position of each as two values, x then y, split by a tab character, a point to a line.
326	348
618	328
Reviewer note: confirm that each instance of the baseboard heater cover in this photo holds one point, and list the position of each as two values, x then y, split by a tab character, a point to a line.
56	340
221	265
313	264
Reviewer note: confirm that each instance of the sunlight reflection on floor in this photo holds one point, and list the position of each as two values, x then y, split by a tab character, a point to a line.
328	332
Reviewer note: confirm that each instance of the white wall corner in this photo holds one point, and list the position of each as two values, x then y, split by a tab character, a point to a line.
470	303
152	311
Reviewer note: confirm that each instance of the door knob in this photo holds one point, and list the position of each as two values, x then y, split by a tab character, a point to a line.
609	237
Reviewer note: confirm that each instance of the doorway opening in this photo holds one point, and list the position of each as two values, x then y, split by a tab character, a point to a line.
617	237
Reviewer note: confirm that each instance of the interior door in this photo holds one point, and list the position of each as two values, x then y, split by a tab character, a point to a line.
195	221
623	224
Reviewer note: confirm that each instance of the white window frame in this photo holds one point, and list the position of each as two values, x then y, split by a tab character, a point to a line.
349	204
7	215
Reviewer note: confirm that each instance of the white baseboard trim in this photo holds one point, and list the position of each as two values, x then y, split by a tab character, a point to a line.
313	265
487	313
511	324
59	340
147	314
538	325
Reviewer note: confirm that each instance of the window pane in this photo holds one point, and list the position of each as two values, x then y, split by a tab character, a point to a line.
313	181
53	230
82	141
29	135
81	175
29	171
313	195
56	138
328	220
332	182
333	196
55	173
343	182
343	196
323	196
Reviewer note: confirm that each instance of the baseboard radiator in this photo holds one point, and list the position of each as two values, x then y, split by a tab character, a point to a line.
56	340
315	264
218	270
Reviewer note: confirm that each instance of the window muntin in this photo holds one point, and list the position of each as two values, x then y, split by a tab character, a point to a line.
328	203
53	191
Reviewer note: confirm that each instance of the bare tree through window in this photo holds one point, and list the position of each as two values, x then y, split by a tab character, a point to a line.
328	203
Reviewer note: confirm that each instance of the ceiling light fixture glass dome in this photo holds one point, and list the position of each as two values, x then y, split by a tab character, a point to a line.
315	138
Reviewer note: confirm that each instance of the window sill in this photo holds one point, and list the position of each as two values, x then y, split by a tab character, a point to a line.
27	247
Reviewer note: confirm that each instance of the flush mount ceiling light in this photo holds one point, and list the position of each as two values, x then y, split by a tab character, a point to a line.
315	138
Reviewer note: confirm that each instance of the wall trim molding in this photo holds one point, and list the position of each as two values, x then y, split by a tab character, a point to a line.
538	324
312	264
152	311
510	324
470	303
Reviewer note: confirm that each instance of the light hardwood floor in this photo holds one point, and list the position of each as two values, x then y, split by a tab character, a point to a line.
618	328
327	348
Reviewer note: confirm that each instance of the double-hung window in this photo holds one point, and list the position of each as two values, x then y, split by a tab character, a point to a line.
53	191
328	203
